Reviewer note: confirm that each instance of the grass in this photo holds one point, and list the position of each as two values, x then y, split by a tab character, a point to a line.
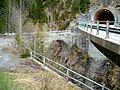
5	80
43	80
21	78
35	81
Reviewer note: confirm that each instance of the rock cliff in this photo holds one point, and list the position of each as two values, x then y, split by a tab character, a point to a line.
102	71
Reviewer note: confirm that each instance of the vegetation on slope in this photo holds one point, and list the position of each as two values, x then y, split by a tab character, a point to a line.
52	12
56	12
26	77
2	15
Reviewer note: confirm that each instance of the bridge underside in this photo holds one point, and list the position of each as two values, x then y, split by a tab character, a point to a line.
111	55
109	49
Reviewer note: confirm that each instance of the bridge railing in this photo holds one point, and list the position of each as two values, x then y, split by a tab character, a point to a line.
64	71
98	26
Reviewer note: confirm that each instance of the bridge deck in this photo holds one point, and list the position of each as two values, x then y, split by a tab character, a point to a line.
113	37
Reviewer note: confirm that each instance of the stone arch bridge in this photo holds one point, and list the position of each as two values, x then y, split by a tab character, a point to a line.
69	37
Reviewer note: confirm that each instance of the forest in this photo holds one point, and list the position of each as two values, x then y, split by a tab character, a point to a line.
40	11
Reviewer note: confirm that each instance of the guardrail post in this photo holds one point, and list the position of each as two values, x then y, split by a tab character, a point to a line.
86	26
103	88
31	55
91	27
67	74
107	29
44	61
97	28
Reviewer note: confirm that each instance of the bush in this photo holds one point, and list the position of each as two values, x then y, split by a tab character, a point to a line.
25	53
118	85
19	40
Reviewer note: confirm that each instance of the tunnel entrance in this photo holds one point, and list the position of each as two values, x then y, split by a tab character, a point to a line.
104	15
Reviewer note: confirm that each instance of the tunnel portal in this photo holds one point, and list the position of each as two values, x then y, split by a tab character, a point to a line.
104	15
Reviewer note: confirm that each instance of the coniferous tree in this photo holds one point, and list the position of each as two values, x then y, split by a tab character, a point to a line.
36	11
3	4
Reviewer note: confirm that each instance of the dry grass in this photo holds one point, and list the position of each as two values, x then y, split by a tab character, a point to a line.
29	75
43	80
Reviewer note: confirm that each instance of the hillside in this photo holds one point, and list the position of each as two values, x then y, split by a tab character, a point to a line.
56	14
35	16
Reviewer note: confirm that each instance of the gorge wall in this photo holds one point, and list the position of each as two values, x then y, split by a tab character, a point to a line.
84	58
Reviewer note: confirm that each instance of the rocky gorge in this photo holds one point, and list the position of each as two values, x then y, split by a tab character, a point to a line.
81	56
89	62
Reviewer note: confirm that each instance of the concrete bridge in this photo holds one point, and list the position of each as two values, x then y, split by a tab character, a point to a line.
104	31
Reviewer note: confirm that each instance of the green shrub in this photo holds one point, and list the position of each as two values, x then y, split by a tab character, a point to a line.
118	85
25	53
19	40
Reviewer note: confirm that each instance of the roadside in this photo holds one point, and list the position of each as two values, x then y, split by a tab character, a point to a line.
24	73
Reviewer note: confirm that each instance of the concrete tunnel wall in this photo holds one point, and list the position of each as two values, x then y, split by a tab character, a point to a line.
104	14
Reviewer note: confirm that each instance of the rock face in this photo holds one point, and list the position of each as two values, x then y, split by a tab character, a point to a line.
102	71
57	49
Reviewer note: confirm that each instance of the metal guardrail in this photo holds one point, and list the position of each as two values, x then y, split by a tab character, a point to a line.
33	33
104	27
46	61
